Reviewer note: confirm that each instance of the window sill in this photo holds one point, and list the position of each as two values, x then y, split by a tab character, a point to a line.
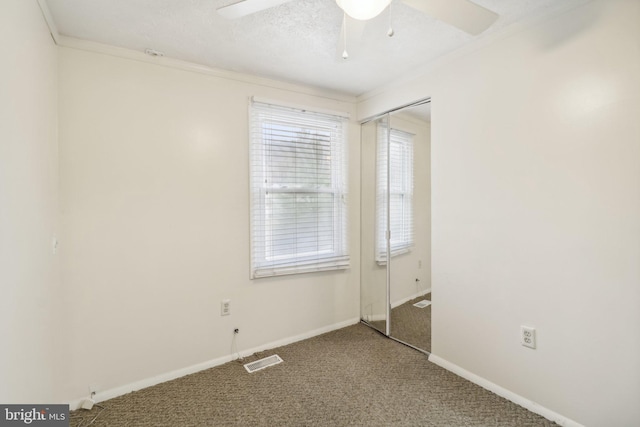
383	261
286	271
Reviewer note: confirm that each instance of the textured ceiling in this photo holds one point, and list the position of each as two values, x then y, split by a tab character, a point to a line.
294	42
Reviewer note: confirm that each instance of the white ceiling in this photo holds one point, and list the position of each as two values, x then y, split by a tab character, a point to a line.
294	42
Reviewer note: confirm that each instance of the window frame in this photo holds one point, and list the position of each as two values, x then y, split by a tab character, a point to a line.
264	262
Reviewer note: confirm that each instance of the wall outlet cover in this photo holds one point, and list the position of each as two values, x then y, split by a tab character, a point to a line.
528	336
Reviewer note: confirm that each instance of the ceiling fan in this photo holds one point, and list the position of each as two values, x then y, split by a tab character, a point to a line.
462	14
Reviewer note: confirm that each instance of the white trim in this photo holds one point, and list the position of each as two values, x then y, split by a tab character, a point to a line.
503	392
397	252
48	18
101	396
409	298
89	46
375	317
378	317
295	106
261	273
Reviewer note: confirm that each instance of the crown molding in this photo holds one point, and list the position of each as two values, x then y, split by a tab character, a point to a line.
165	61
74	43
48	18
474	46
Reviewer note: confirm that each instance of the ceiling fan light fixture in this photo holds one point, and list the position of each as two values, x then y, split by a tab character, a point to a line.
363	9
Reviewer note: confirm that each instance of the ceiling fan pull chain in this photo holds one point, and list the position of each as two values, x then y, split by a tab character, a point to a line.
390	32
345	54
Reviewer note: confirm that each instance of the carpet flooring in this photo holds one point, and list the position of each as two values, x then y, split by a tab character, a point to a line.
410	324
349	377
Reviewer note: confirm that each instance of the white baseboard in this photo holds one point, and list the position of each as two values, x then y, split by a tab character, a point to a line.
503	392
148	382
383	316
409	298
376	317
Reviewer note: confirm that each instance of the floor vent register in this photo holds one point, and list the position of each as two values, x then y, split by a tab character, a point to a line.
422	304
262	363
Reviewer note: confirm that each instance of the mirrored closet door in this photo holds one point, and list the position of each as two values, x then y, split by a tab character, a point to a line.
374	297
396	216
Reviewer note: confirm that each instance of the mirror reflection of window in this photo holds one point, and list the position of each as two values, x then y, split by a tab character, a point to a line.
400	152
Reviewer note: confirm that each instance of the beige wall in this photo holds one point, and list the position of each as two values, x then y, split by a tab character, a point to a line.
536	216
155	181
29	279
536	210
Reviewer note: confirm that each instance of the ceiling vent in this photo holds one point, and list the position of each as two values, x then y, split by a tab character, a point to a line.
153	52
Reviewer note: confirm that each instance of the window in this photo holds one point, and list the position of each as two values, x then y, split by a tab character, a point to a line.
298	191
400	195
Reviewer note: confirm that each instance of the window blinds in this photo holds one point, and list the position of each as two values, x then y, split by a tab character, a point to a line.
400	192
298	191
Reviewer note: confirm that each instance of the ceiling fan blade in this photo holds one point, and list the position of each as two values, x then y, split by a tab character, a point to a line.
354	29
463	14
247	7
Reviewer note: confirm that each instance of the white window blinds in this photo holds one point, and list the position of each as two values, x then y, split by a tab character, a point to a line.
298	191
400	194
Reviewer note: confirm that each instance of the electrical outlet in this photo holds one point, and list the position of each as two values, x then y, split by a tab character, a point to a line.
528	336
419	263
225	307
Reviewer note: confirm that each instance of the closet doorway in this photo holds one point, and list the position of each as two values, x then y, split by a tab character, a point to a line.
396	224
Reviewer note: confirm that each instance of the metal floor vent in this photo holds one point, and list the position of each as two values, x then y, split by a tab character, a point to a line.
422	304
262	363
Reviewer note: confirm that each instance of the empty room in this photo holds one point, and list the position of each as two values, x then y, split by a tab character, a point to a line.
319	212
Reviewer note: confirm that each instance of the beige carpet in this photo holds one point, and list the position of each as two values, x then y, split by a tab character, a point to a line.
412	324
350	377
